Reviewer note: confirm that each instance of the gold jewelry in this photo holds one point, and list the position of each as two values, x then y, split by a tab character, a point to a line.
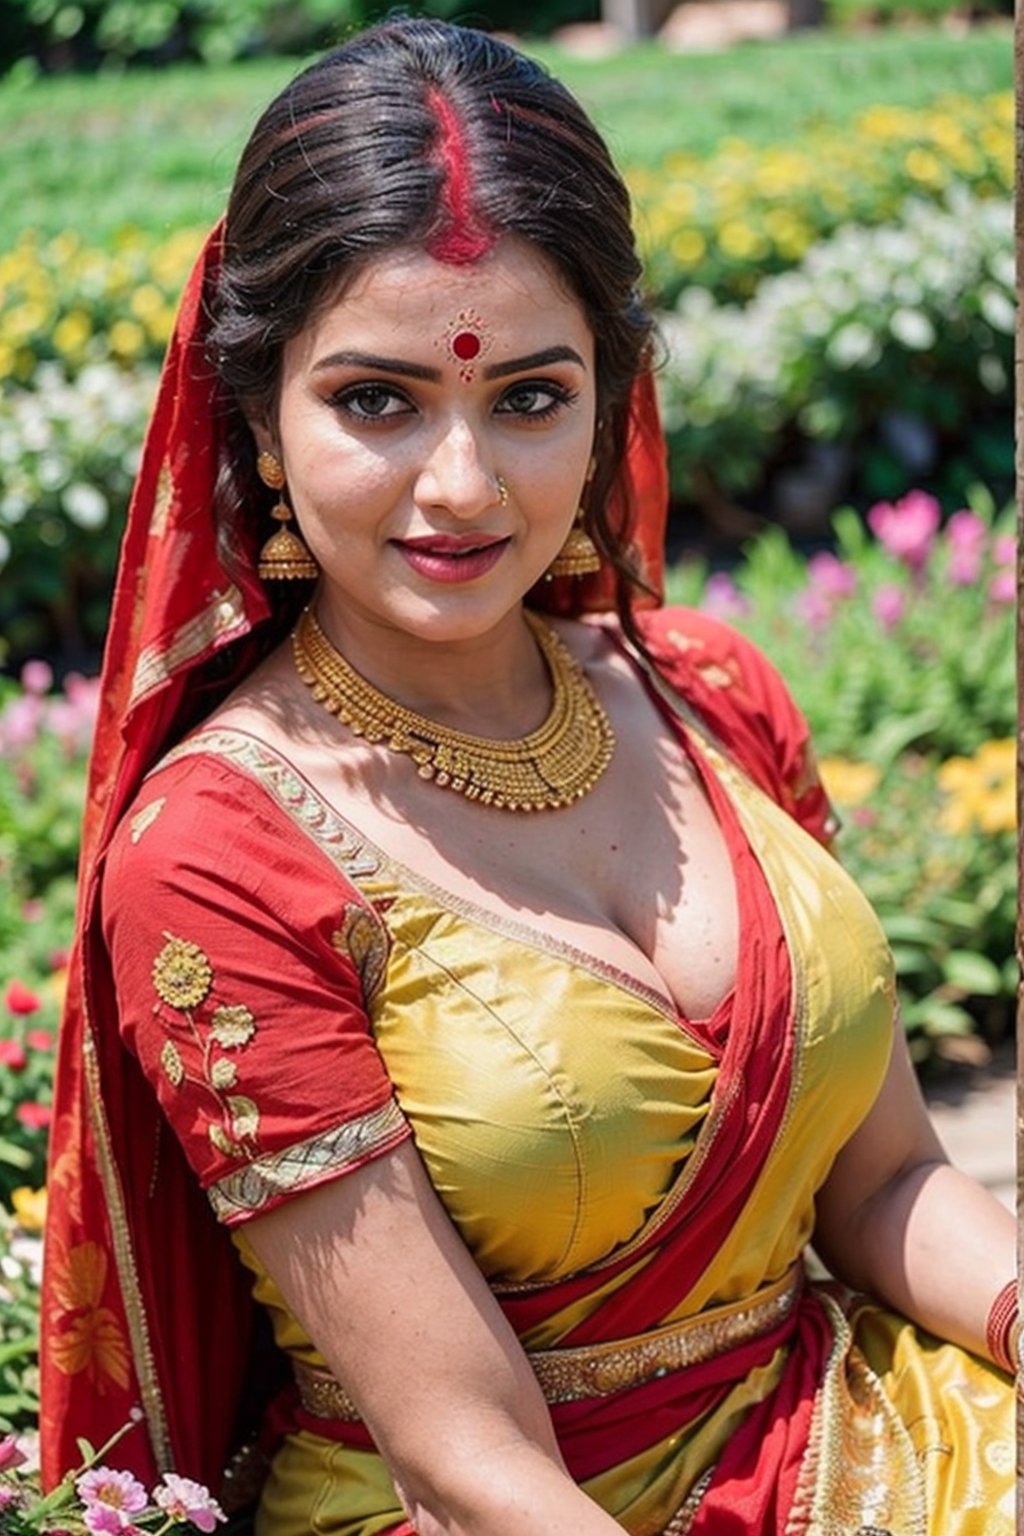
578	556
555	765
501	486
284	557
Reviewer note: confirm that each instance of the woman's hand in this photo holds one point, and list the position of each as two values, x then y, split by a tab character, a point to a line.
376	1274
894	1218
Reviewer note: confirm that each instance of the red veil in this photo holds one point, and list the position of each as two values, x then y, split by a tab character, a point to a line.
144	1305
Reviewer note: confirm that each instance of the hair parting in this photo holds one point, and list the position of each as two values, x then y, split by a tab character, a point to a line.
462	238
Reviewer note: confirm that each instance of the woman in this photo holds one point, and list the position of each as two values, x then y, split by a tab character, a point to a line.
486	967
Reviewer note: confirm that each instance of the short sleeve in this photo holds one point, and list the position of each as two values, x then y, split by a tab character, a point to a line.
243	962
741	697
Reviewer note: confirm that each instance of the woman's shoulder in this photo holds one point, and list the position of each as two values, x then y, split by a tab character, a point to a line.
689	644
223	807
739	694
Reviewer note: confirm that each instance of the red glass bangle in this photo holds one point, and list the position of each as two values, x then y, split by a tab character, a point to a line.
1002	1330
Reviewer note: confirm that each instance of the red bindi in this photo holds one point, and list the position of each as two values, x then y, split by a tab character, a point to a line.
466	338
466	345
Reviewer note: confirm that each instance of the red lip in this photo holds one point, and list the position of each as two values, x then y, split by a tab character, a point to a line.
452	558
451	543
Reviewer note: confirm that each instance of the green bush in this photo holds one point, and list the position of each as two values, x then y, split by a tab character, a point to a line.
899	649
894	344
20	1276
855	13
723	222
77	34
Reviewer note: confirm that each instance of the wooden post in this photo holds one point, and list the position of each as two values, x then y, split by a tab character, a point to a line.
636	18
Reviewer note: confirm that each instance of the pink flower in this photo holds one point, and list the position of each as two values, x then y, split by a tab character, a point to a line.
10	1455
8	1496
830	576
12	1054
105	1521
33	910
20	999
39	1039
20	722
1004	550
183	1499
58	959
37	677
966	530
1003	587
723	598
888	605
110	1499
814	608
907	528
34	1117
964	565
966	535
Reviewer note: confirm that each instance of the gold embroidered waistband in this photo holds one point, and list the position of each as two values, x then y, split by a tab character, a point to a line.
598	1370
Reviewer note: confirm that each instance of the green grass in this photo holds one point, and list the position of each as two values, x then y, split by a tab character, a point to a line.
157	149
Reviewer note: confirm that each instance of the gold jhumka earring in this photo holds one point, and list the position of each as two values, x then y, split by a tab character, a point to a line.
578	556
284	557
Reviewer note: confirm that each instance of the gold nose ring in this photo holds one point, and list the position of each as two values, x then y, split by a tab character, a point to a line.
501	486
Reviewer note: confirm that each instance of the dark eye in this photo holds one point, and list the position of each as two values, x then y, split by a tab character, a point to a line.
535	400
371	402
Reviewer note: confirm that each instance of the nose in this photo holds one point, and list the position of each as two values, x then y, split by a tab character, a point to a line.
456	476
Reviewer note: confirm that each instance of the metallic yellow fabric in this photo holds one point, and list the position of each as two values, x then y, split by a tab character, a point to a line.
560	1109
911	1437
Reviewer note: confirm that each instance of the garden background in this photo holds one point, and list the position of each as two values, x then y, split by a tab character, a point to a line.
826	220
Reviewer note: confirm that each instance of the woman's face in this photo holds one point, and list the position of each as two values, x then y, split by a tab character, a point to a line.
400	406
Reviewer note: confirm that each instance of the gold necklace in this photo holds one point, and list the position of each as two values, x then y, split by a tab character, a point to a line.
555	765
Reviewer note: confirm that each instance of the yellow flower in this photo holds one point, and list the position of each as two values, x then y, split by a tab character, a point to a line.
737	239
127	338
925	167
847	782
29	1206
71	333
146	302
981	790
688	246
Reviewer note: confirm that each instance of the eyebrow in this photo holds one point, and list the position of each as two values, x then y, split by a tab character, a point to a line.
559	354
534	360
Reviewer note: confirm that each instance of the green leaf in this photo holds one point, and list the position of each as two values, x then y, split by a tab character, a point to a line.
938	1017
910	928
975	974
894	735
16	1349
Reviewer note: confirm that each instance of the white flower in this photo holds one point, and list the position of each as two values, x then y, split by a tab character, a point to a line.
85	505
998	310
913	329
854	346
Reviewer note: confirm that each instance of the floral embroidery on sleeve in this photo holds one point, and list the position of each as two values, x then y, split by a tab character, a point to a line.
145	818
183	979
359	940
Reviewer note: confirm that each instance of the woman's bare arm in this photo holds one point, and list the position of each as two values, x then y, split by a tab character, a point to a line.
896	1219
373	1269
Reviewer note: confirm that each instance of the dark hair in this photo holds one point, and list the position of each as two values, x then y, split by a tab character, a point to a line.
345	164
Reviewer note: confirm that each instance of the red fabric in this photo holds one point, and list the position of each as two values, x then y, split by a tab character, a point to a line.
264	892
115	1259
139	1289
